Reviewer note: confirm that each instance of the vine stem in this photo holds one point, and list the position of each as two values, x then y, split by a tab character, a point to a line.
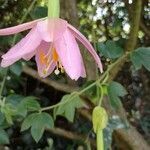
14	40
90	86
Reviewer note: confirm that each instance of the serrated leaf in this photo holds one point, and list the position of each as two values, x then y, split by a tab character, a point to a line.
99	118
116	90
141	57
110	49
4	139
68	109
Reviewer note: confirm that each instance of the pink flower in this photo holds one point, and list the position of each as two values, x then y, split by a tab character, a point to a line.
53	42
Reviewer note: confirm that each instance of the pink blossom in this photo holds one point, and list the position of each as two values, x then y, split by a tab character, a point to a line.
53	43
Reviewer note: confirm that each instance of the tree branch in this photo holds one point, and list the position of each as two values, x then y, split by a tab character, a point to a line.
72	136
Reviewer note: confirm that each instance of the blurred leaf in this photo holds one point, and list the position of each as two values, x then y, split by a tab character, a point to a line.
4	139
2	118
110	49
141	56
39	12
2	72
68	109
9	111
16	68
28	104
38	123
116	90
14	99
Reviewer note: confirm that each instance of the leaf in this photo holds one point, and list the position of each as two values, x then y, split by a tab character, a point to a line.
28	104
27	123
68	109
110	50
9	111
16	68
39	12
38	123
14	99
2	118
99	118
4	139
116	90
141	57
41	122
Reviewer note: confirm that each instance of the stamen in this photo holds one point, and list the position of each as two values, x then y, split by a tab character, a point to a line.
43	59
49	58
55	55
57	72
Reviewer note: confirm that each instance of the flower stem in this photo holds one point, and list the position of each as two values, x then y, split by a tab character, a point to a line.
100	140
53	8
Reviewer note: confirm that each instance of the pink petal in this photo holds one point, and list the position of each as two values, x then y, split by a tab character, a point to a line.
18	28
44	49
70	56
26	46
52	29
28	56
87	44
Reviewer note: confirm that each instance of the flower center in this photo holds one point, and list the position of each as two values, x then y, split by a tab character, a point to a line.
50	58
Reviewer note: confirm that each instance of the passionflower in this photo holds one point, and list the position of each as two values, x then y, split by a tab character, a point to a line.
53	43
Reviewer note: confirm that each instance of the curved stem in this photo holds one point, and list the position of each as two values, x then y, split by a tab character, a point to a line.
101	97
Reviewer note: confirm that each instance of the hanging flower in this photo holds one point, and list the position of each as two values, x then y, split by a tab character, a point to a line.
53	43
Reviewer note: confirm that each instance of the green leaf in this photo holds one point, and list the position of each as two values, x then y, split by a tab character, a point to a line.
38	123
39	12
27	123
9	111
16	68
110	49
28	104
2	118
68	108
141	57
41	122
116	90
4	139
14	99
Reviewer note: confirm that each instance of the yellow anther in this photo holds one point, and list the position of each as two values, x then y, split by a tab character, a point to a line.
43	59
55	55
